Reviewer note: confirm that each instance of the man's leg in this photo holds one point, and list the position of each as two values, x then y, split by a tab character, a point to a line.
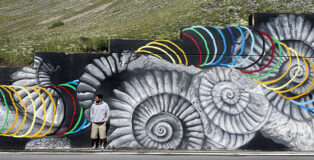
95	143
94	134
102	134
102	142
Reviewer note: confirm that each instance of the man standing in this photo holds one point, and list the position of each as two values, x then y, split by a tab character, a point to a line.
99	115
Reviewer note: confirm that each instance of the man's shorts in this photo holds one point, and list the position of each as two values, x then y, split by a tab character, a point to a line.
98	130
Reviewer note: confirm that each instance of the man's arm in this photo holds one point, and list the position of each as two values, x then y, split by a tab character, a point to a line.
107	112
91	115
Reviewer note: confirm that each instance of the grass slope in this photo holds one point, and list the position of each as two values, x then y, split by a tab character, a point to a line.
27	26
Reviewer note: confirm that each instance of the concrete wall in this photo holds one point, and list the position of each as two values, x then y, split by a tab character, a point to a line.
231	88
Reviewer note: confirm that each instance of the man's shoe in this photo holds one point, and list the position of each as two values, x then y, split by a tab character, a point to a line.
93	148
102	148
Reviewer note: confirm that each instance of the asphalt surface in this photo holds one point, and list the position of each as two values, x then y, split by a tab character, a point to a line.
143	157
147	155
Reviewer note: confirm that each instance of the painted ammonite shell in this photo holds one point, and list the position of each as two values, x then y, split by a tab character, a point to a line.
41	74
296	33
284	105
97	73
230	104
153	110
290	124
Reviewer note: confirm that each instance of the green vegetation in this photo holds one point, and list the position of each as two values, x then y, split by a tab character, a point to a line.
86	25
57	24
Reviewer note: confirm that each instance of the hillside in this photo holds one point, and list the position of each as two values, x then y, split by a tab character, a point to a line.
27	26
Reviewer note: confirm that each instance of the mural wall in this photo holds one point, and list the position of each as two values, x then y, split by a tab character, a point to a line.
215	88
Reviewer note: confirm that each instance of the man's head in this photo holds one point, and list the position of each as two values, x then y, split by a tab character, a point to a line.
98	98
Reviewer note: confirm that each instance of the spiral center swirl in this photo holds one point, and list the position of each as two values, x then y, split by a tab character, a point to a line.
228	91
162	130
163	127
294	71
297	72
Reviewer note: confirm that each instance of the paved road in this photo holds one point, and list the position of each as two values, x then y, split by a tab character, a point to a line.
101	156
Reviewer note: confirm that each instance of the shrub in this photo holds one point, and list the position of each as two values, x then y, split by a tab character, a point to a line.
101	44
56	24
95	44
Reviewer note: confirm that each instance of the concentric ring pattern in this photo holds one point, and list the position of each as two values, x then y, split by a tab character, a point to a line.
232	105
154	110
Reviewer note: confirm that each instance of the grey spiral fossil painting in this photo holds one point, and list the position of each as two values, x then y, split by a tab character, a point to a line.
214	89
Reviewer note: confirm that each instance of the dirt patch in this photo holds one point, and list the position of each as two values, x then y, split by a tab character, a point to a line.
88	13
50	20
